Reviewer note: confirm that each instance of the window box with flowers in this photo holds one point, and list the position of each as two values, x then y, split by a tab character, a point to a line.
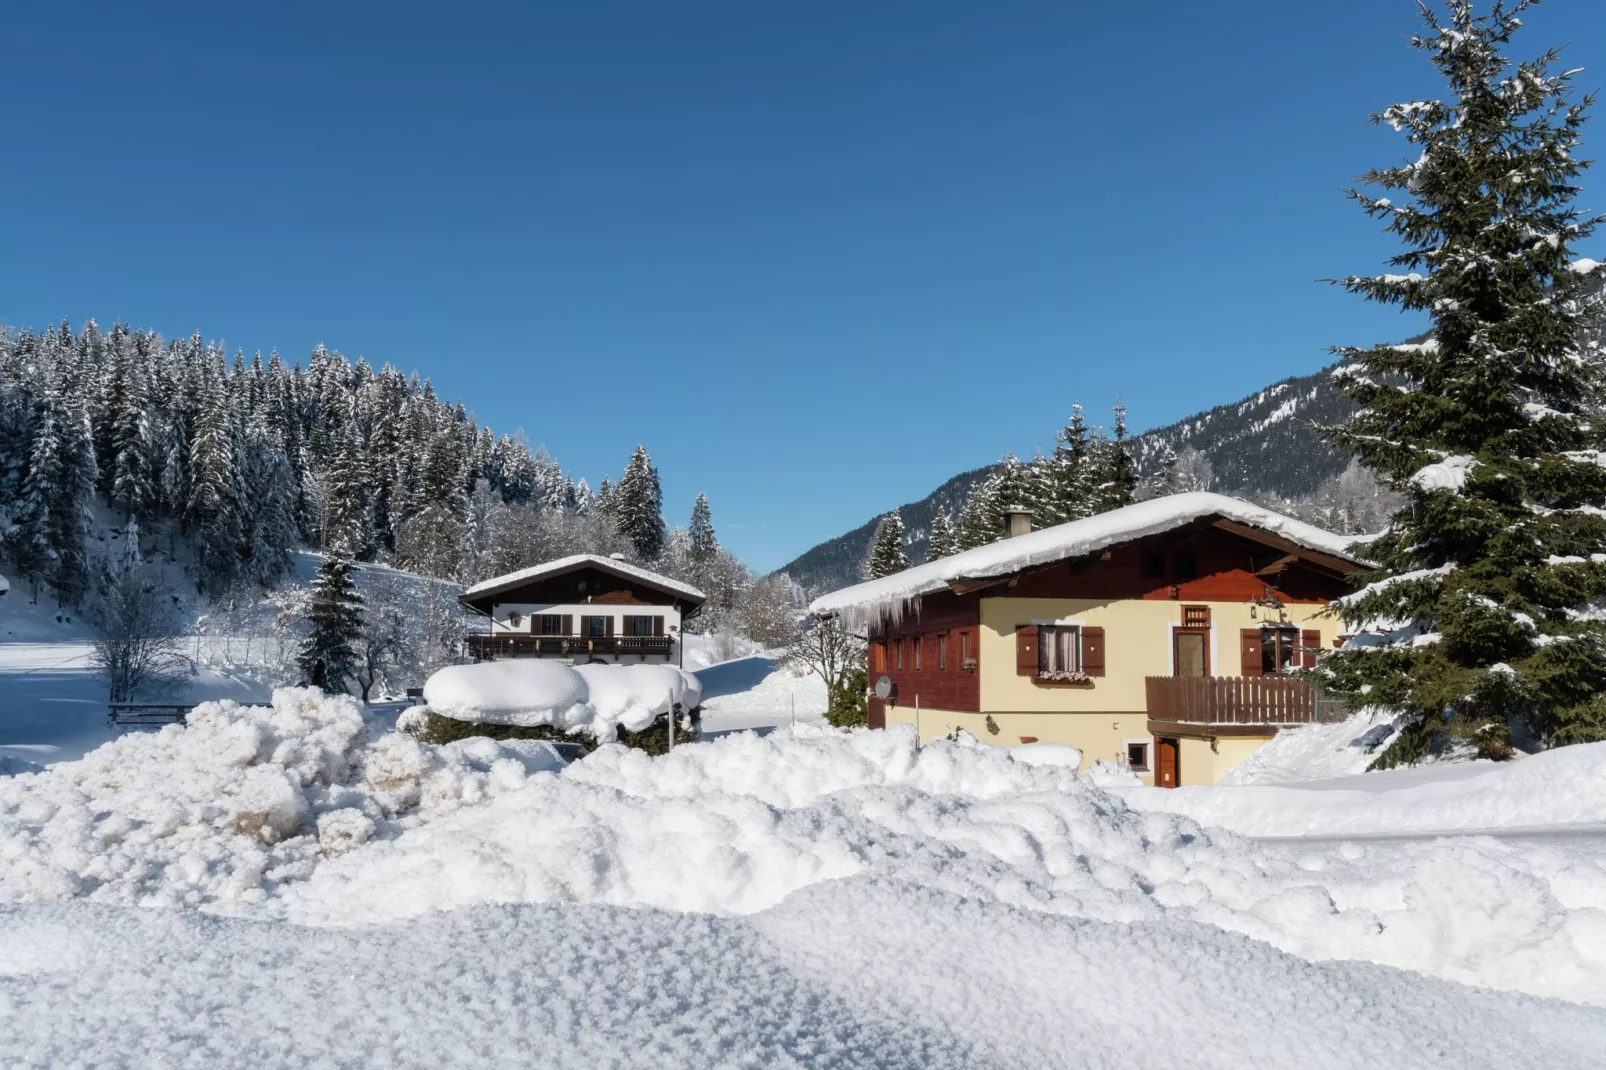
1059	653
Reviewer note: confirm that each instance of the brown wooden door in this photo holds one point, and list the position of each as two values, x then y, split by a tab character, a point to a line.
1190	652
1166	763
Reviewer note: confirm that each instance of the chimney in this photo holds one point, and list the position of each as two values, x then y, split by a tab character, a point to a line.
1017	521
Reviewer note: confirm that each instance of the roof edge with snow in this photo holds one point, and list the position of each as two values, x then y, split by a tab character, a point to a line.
549	569
1048	546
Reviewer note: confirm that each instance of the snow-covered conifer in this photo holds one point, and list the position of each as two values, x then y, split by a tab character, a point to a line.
1483	609
886	548
944	539
328	656
637	504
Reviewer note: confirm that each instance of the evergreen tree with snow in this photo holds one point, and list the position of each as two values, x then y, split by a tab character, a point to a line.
1116	478
328	658
637	505
944	540
1482	610
701	531
1065	488
886	548
348	493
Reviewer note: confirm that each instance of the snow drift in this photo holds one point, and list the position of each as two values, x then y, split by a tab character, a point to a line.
586	698
302	812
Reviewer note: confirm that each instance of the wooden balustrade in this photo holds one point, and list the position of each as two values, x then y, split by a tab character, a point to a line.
1269	700
504	645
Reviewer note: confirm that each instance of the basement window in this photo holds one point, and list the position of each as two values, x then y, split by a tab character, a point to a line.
1137	756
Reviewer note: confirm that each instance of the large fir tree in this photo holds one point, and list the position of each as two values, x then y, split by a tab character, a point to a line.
1484	608
328	657
944	540
886	548
637	504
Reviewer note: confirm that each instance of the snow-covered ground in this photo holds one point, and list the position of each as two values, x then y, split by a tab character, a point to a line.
299	884
294	884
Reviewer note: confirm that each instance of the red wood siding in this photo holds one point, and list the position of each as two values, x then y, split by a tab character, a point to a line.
1226	566
941	687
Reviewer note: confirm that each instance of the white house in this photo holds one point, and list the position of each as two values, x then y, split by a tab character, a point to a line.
582	609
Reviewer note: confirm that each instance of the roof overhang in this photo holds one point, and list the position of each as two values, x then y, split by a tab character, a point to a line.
483	595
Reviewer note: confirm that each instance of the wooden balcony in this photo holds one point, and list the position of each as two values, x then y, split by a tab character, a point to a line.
503	645
1245	701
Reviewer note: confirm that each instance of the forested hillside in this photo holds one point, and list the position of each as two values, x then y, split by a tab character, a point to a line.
228	463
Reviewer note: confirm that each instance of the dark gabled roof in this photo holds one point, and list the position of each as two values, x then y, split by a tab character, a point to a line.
678	591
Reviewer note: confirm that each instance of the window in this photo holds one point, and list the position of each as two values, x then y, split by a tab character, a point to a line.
641	625
1277	649
1196	616
1059	649
582	586
596	627
1154	566
1187	565
1137	756
900	655
881	657
917	644
551	624
942	653
964	648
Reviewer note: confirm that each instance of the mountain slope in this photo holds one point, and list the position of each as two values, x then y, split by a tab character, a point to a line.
1259	448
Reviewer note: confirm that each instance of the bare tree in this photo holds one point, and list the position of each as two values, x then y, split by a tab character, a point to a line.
829	649
138	648
383	642
770	611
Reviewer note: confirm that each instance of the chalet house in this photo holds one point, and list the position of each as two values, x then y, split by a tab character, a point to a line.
582	609
1164	635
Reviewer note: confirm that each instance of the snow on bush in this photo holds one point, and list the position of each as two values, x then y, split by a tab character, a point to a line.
586	698
302	812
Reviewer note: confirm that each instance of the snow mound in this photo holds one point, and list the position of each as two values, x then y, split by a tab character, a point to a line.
302	812
1316	751
1565	786
584	698
225	811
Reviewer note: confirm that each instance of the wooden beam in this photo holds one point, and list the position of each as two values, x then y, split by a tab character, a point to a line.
972	586
1340	565
1278	566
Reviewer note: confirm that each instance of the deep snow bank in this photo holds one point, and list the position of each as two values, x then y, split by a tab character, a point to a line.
1566	786
305	813
858	973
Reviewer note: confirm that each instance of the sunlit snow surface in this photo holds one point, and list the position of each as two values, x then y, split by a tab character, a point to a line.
290	885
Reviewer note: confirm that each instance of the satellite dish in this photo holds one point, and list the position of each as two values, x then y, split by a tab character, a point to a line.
883	687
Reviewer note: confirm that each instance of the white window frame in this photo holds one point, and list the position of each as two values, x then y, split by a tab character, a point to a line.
1147	743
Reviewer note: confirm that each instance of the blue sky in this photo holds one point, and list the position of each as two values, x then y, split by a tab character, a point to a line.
817	257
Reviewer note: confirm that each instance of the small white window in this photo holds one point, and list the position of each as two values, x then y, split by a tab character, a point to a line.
1137	756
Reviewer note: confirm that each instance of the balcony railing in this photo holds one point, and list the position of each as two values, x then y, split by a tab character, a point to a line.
492	647
1250	700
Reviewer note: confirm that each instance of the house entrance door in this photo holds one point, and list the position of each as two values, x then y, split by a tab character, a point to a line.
1190	652
1166	764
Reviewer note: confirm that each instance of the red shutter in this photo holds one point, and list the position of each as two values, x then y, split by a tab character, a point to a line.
1311	640
1249	647
1026	650
568	624
1093	651
658	626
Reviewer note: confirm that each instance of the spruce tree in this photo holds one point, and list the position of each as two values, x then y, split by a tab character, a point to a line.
1480	611
328	657
703	544
1117	475
944	540
1066	486
637	505
886	548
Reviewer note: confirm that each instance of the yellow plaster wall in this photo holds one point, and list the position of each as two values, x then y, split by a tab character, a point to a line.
1137	640
1201	765
1099	736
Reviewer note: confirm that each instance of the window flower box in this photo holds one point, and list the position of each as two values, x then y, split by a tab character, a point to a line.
1063	677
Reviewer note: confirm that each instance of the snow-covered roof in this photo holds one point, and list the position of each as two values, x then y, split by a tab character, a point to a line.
1089	535
569	564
